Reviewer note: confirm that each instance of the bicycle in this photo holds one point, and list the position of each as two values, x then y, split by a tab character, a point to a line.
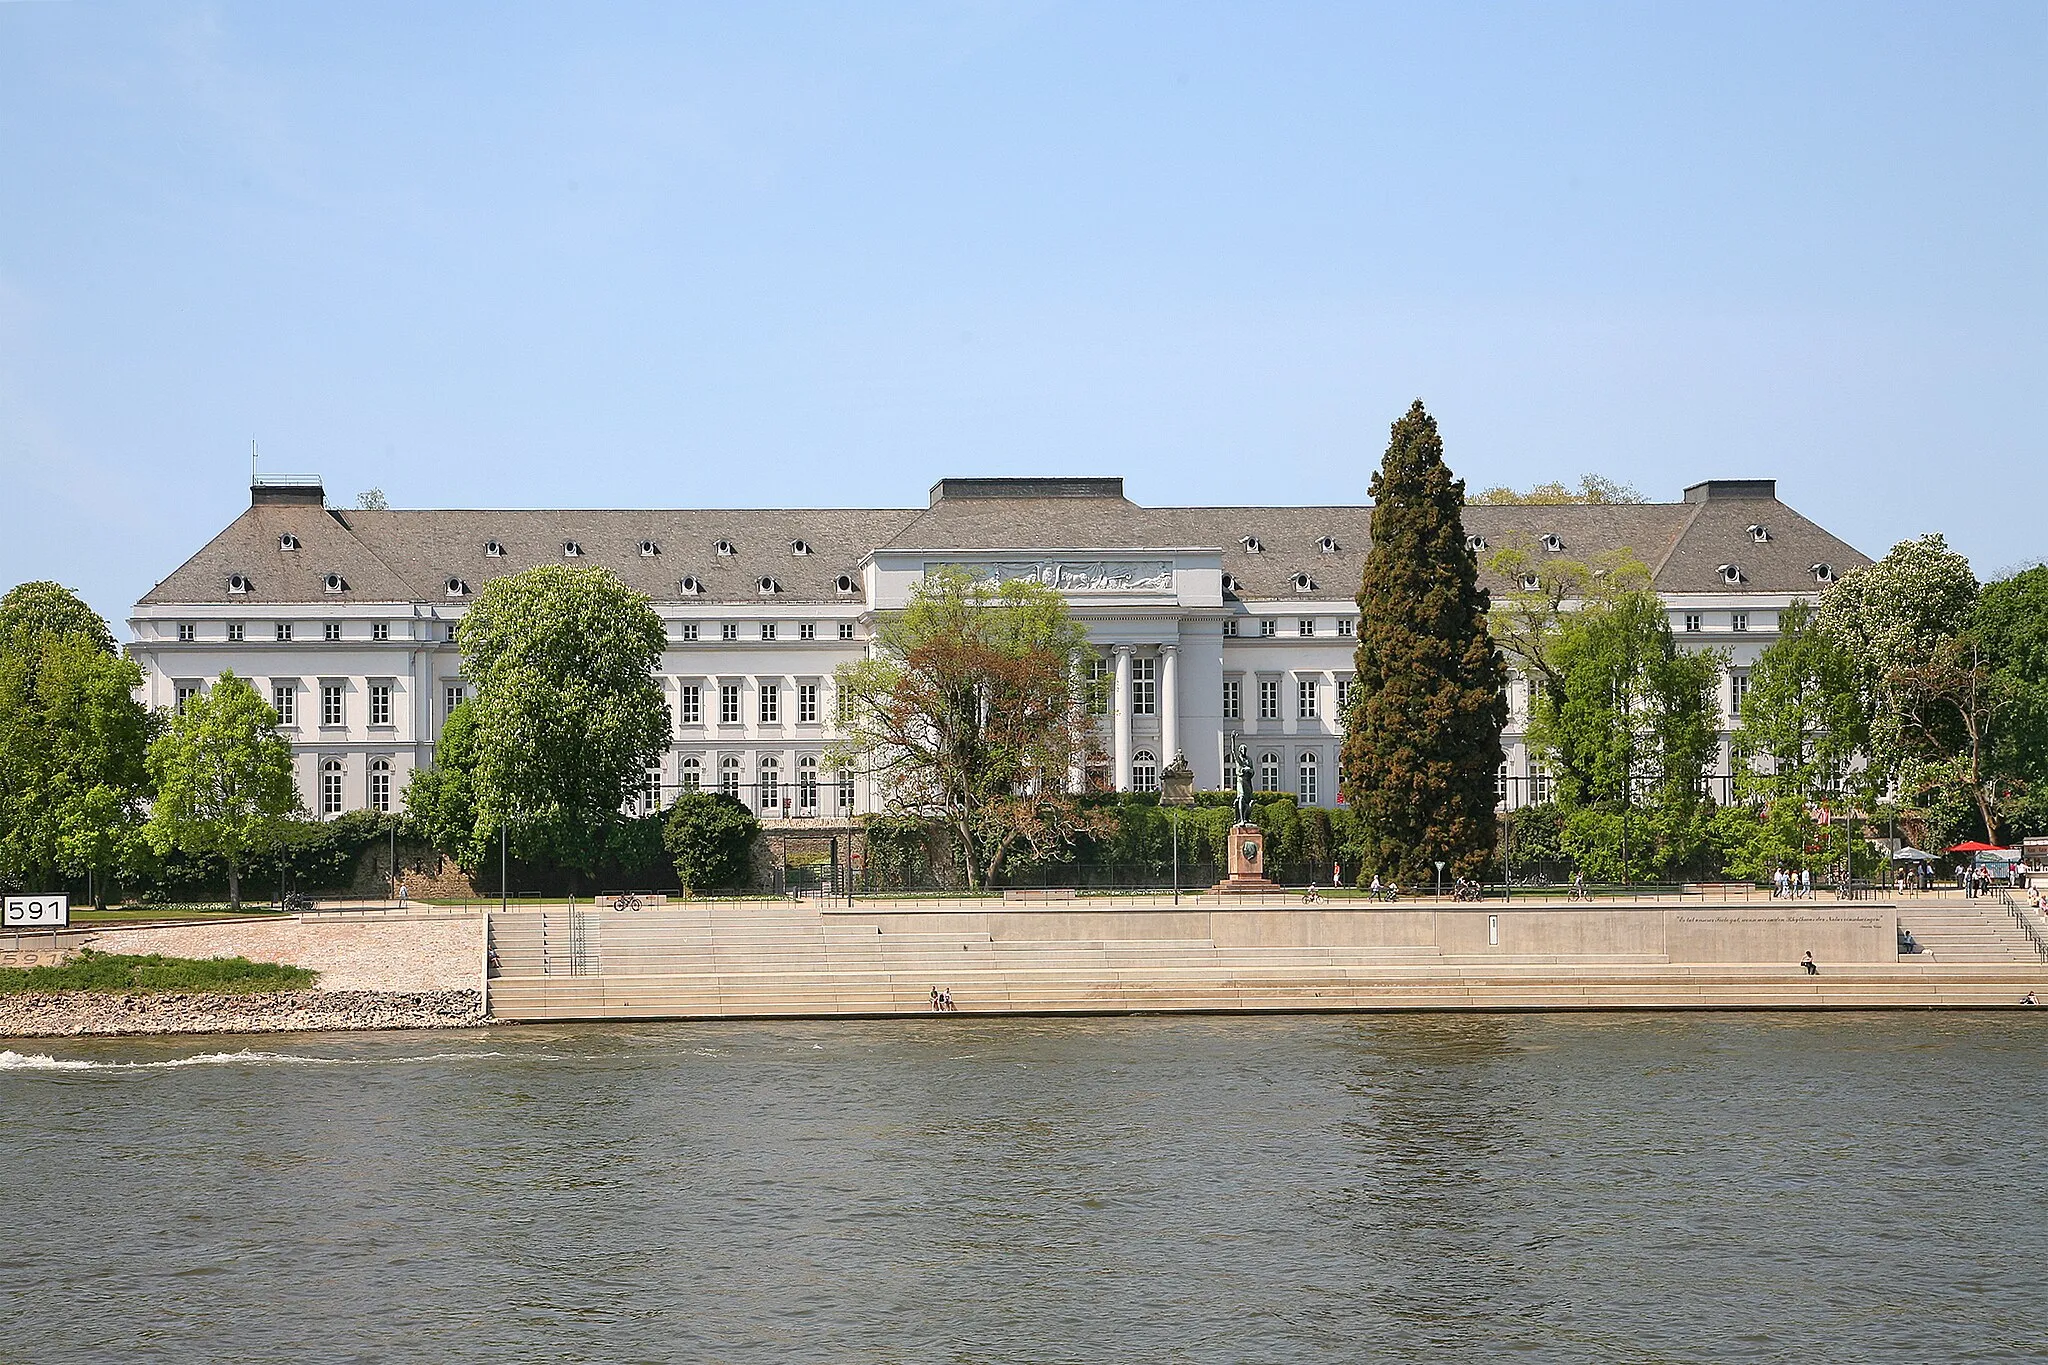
625	900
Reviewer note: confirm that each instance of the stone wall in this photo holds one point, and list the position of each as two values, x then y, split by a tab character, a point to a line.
65	1014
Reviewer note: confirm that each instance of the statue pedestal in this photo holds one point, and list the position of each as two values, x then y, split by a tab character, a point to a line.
1247	864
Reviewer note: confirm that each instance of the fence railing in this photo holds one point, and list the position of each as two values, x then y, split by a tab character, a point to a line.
2024	915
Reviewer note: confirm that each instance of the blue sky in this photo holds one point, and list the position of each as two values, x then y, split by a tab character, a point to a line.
750	255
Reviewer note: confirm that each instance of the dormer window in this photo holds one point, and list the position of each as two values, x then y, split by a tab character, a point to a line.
799	548
1328	545
238	583
726	549
649	549
457	588
769	587
1231	583
846	585
493	550
1731	573
334	582
1530	582
571	550
690	587
287	541
1823	573
1252	545
1554	543
1303	583
1476	544
1760	534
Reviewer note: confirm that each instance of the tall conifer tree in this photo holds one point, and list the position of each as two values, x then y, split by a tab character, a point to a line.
1422	736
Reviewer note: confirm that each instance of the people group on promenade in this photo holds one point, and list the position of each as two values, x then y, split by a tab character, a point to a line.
1789	885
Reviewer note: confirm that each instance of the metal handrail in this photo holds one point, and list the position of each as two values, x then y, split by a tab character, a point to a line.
2018	913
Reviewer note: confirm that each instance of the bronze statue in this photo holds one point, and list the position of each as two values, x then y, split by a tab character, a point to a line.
1242	780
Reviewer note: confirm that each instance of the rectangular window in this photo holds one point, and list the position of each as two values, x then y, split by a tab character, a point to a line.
845	789
1539	785
1692	623
1098	687
686	630
807	704
1233	699
187	631
1500	783
1144	686
771	703
380	703
1343	697
846	630
728	703
1269	699
380	630
1268	626
330	704
284	699
186	692
842	706
284	630
1738	688
1306	696
1738	620
454	632
690	704
235	631
1345	626
451	698
807	631
1305	626
331	631
767	630
729	630
1230	625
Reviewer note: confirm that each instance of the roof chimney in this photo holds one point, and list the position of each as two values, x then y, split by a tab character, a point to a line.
1714	490
958	490
286	490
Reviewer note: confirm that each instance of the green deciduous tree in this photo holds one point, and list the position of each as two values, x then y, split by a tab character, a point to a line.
2011	626
565	718
223	777
72	739
968	711
1422	737
1627	726
1592	489
1800	732
710	834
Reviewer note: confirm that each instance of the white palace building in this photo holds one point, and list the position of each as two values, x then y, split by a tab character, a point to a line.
1211	620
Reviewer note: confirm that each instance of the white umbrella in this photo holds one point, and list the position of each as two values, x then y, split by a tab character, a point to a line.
1913	855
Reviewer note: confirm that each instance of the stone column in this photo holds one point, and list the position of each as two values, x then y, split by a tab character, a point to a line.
1120	720
1169	704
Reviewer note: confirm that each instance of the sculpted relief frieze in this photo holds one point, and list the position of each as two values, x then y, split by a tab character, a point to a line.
1080	575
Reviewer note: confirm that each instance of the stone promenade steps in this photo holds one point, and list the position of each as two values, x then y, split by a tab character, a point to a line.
1532	988
1968	931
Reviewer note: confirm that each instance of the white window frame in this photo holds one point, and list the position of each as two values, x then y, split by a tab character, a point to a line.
807	703
1305	777
1144	685
333	705
381	707
332	775
1269	699
380	785
1233	699
1308	697
690	704
729	704
769	702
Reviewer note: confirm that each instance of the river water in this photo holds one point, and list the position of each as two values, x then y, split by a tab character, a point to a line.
1327	1188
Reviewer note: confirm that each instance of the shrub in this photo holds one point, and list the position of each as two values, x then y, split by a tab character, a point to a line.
709	834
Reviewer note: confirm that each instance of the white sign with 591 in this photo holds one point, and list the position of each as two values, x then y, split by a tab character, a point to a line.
36	912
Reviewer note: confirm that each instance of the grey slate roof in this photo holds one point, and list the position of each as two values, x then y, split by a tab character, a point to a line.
408	556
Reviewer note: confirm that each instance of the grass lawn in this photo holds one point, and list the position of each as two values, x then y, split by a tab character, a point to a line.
153	973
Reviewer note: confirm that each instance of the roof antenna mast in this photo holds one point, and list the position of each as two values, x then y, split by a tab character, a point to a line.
252	461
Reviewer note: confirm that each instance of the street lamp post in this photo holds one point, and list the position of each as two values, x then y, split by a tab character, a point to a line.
1439	878
1176	790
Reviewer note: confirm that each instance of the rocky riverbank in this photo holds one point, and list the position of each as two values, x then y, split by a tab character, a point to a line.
65	1014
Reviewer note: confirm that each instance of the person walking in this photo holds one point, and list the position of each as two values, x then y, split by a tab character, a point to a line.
1806	883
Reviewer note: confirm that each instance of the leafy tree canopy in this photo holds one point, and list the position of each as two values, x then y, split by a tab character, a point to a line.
1592	489
35	609
966	711
1422	737
710	834
223	777
565	718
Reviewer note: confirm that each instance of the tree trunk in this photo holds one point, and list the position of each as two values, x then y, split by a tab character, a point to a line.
234	885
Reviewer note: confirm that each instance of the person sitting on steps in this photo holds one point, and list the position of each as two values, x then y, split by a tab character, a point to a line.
1812	967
